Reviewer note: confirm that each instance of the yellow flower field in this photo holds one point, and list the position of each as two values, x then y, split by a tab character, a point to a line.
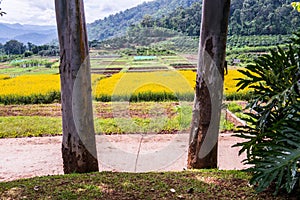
27	85
27	89
155	82
2	76
176	83
230	83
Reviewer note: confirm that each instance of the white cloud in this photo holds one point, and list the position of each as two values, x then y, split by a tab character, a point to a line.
96	9
42	11
28	11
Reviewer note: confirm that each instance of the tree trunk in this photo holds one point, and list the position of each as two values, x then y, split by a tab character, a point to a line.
78	146
203	146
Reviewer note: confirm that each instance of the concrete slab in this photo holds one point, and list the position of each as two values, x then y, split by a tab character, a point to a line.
29	157
143	153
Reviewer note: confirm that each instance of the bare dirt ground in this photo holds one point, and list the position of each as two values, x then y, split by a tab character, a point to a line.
29	157
101	110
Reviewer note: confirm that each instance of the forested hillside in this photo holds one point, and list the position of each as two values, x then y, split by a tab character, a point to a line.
248	17
115	25
258	17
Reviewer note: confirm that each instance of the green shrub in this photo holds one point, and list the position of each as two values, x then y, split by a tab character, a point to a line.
29	126
55	65
272	136
28	54
234	107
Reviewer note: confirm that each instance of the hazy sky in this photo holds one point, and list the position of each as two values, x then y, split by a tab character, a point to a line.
42	11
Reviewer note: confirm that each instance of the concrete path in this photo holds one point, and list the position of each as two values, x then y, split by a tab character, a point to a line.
29	157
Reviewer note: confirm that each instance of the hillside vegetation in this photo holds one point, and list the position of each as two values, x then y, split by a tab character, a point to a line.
248	17
115	25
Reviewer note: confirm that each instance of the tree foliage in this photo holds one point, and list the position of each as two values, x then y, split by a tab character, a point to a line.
257	17
273	133
1	12
117	24
247	17
296	5
184	20
14	47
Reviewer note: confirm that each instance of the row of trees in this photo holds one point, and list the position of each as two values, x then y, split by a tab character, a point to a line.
14	47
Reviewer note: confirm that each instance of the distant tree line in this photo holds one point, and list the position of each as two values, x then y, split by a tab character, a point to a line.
14	47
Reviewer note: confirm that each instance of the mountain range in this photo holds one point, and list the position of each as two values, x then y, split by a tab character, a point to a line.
27	33
113	25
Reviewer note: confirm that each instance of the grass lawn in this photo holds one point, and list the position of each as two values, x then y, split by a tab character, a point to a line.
29	126
200	184
17	71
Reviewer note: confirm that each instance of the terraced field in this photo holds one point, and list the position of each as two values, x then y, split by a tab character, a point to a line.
114	78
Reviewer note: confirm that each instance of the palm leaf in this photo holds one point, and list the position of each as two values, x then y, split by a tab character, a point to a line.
272	135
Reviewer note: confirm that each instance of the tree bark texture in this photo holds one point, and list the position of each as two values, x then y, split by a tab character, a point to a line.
78	146
203	146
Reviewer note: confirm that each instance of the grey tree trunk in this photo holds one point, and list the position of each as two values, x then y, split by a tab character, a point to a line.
203	147
78	146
